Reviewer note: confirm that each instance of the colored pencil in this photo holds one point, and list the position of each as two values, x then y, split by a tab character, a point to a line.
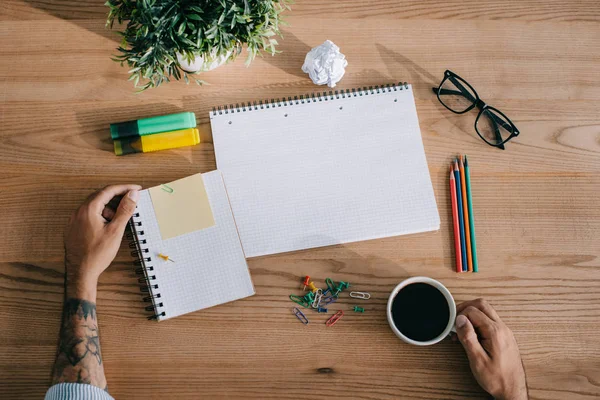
463	186
455	221
471	217
461	220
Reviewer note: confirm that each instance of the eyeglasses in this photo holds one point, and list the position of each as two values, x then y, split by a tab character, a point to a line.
491	124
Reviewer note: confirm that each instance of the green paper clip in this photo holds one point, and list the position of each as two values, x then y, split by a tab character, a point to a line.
359	309
299	300
330	285
167	188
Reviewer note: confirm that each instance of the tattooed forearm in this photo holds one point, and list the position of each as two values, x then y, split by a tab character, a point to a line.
79	358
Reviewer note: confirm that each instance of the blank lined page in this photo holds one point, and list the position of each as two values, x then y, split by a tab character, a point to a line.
209	266
325	172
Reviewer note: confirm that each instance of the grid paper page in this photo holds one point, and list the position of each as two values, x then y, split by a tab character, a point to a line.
325	172
209	268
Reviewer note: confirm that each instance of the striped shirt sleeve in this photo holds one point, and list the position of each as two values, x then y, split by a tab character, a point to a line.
76	391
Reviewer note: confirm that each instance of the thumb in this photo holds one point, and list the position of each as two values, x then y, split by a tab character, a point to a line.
125	210
468	338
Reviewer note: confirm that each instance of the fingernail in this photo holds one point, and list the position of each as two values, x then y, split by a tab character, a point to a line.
461	320
133	195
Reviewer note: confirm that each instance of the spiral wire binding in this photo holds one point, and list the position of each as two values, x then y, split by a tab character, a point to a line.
144	269
308	98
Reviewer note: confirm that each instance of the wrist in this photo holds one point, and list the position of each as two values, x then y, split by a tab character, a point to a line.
81	286
517	394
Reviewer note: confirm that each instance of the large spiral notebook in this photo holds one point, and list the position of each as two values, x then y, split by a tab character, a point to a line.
325	169
208	266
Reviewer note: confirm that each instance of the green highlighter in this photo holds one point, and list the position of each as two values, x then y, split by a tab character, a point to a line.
148	126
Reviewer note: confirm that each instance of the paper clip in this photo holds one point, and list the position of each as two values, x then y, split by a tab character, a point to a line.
299	300
317	301
300	315
360	295
167	188
334	318
328	300
330	285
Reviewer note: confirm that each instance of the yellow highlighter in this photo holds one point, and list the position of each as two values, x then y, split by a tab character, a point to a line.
157	141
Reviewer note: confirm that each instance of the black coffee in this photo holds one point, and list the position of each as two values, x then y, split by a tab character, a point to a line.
420	312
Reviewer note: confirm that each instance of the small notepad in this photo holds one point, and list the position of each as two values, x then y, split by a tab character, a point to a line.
325	169
208	266
182	206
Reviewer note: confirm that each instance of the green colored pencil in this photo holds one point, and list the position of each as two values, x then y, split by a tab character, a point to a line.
471	216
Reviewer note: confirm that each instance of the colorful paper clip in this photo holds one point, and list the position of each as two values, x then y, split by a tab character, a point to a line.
328	300
167	188
317	301
360	295
299	300
334	318
300	315
359	309
330	285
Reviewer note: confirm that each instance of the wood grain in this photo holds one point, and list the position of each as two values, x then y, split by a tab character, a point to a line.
536	204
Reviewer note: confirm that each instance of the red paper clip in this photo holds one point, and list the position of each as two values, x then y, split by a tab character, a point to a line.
334	318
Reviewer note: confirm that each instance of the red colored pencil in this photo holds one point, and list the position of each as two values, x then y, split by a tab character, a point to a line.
455	221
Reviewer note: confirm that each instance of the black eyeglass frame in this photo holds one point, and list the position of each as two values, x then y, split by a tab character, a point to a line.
480	104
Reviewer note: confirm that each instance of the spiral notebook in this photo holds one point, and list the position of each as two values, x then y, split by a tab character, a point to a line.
325	169
204	268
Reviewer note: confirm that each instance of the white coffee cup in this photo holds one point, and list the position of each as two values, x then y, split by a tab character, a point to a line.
451	305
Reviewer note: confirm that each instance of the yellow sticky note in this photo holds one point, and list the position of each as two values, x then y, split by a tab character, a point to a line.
182	206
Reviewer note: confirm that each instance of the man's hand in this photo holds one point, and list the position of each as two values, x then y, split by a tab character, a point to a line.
93	236
492	350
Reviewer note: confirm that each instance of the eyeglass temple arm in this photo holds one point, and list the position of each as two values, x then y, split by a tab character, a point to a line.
480	104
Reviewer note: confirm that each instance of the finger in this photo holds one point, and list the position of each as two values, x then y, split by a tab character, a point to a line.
103	197
468	338
108	213
479	320
482	305
125	210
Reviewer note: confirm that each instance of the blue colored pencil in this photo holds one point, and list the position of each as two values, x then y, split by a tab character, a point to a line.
461	219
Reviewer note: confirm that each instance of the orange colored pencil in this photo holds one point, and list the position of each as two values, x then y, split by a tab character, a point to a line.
466	215
455	221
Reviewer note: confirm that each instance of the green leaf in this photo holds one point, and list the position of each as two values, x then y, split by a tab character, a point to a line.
154	31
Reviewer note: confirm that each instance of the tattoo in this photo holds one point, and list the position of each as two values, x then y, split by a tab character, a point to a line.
79	357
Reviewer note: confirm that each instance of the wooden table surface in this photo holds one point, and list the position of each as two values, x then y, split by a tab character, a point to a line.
536	204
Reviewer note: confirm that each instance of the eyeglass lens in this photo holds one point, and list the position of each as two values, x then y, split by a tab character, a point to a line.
493	127
456	94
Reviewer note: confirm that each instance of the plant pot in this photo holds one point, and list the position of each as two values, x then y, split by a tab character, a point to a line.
200	64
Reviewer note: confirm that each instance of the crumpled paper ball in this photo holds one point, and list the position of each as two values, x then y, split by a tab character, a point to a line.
325	64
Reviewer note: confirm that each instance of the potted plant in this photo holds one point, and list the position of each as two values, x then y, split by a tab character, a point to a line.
164	39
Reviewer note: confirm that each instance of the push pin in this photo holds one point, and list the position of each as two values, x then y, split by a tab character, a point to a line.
321	310
306	282
312	287
359	309
165	257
